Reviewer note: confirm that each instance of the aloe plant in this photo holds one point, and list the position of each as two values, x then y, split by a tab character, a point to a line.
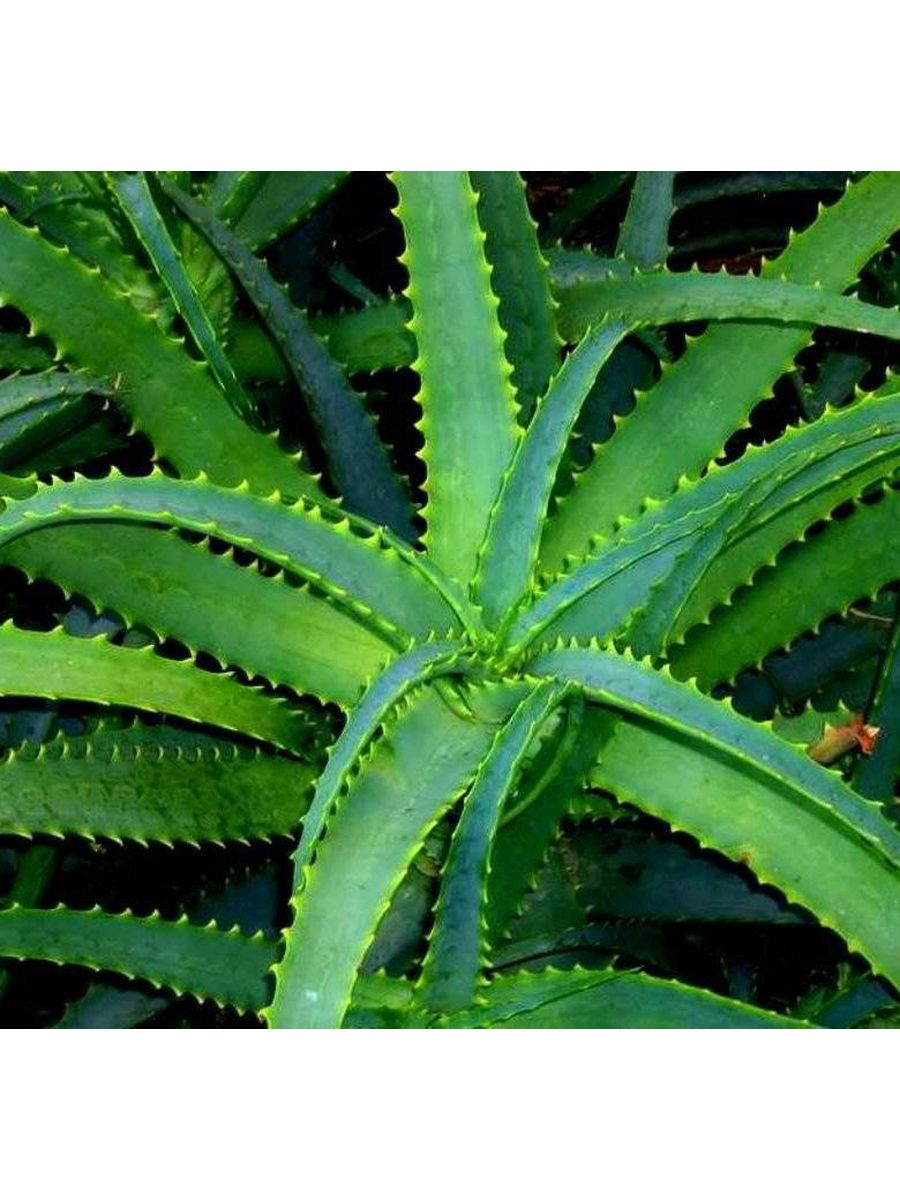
551	635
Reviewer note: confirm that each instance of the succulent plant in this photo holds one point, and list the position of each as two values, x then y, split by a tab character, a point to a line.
432	681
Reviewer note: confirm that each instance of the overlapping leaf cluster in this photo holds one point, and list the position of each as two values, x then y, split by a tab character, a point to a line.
506	692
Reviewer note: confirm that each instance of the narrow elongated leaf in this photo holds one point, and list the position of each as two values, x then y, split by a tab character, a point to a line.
527	829
426	758
57	666
155	578
581	999
86	227
849	559
19	393
383	583
37	410
745	513
510	551
145	785
278	200
644	237
358	462
137	203
520	280
467	400
713	387
229	192
169	397
366	339
744	791
662	299
456	951
204	961
386	691
201	961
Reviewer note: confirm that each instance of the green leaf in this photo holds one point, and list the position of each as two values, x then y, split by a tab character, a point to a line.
153	577
731	522
38	410
711	390
456	951
57	666
405	784
369	715
367	339
86	227
230	192
662	299
137	204
509	554
151	784
278	200
520	281
582	999
20	393
169	397
358	462
644	237
742	790
201	961
382	582
468	418
849	558
528	827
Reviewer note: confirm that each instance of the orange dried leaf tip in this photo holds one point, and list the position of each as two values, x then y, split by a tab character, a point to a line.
839	739
866	735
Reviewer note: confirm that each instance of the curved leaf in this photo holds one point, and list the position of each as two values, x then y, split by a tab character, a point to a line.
57	666
169	397
662	299
153	577
711	390
510	550
384	583
528	828
644	237
358	462
387	689
276	201
407	782
581	999
468	418
456	950
201	961
137	204
520	281
732	521
850	558
744	791
147	785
